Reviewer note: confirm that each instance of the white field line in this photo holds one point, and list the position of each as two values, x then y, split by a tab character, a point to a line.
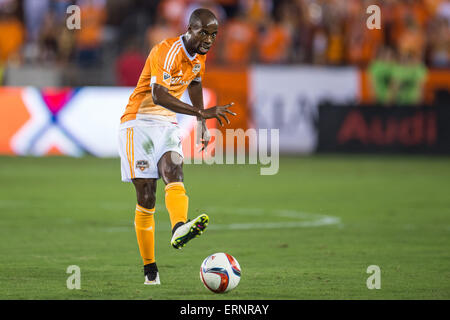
304	219
275	225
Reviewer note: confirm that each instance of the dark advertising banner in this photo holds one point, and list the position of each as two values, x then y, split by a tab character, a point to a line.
382	129
286	98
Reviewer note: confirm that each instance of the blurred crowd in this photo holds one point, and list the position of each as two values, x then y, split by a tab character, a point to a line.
321	32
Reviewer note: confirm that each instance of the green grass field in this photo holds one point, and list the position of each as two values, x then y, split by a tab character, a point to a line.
309	232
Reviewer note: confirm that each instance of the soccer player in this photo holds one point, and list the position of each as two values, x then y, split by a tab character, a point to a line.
149	137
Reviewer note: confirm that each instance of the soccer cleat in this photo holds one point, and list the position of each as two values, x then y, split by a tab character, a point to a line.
148	280
188	231
151	274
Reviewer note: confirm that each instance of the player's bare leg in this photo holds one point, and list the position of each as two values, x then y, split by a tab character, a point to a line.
170	168
145	192
145	227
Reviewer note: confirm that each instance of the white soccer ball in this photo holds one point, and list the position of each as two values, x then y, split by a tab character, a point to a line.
220	272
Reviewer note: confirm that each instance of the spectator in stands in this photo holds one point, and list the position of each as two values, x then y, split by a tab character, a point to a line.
308	21
129	65
48	39
412	39
288	17
237	41
335	47
362	44
55	42
34	13
443	9
325	32
403	14
230	6
380	72
319	46
408	79
438	54
256	11
173	12
59	9
89	37
12	32
274	42
159	31
66	44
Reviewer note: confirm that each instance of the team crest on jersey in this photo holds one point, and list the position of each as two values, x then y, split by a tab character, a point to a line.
142	164
166	76
196	68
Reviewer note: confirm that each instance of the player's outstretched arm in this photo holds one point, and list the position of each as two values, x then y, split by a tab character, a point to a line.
161	96
195	90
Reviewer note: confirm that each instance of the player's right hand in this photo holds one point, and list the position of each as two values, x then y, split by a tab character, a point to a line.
218	112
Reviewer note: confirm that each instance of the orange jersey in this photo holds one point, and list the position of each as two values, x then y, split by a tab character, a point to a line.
170	65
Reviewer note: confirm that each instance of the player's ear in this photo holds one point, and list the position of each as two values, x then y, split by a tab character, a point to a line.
188	33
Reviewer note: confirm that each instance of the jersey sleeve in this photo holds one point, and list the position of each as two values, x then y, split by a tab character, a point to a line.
160	71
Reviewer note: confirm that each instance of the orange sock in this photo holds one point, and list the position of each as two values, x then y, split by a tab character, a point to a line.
177	202
144	224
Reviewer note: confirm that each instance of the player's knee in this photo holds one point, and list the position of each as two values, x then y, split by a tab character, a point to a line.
172	173
148	200
171	168
145	192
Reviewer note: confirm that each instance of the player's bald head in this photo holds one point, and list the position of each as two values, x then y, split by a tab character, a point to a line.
202	31
202	17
